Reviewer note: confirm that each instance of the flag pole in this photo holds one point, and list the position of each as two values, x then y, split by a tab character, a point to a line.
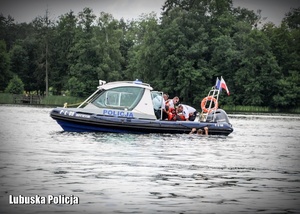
219	89
218	92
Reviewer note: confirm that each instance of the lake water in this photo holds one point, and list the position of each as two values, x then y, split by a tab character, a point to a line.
254	170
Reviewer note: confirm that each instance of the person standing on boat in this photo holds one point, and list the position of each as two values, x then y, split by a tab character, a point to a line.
187	111
158	105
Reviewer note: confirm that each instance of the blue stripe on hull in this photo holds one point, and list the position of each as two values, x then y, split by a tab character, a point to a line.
74	127
99	123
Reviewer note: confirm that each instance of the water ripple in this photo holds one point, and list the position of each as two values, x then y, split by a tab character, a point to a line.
254	170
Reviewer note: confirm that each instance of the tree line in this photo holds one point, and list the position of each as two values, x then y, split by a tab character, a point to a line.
181	53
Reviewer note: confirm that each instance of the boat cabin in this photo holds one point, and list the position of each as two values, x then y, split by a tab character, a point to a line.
130	99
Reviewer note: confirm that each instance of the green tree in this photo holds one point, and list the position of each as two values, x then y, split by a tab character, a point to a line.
126	43
109	37
285	46
76	87
143	55
63	42
5	73
83	56
292	18
225	47
182	53
258	70
15	86
20	61
184	46
43	29
25	55
7	31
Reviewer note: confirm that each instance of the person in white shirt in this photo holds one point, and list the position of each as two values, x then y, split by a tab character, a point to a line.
188	112
172	102
158	105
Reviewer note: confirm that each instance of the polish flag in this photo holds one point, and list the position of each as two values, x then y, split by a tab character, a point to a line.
221	84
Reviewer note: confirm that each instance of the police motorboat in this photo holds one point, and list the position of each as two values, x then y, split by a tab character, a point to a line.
127	107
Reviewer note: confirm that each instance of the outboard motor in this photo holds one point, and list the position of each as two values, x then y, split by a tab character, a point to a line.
218	115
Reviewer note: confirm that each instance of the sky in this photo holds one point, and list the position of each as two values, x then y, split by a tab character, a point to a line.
27	10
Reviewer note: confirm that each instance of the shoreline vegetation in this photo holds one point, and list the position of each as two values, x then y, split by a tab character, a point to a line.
54	100
181	52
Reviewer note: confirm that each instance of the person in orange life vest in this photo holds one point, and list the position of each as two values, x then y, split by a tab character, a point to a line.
188	112
170	107
172	114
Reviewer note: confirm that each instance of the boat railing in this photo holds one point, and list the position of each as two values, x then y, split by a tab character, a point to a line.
138	82
213	94
89	98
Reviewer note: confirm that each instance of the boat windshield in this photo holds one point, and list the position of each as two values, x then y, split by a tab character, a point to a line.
122	97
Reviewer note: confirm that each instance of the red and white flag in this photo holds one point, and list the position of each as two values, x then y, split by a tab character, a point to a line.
221	84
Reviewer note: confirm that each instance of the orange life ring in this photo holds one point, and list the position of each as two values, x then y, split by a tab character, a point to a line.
209	98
